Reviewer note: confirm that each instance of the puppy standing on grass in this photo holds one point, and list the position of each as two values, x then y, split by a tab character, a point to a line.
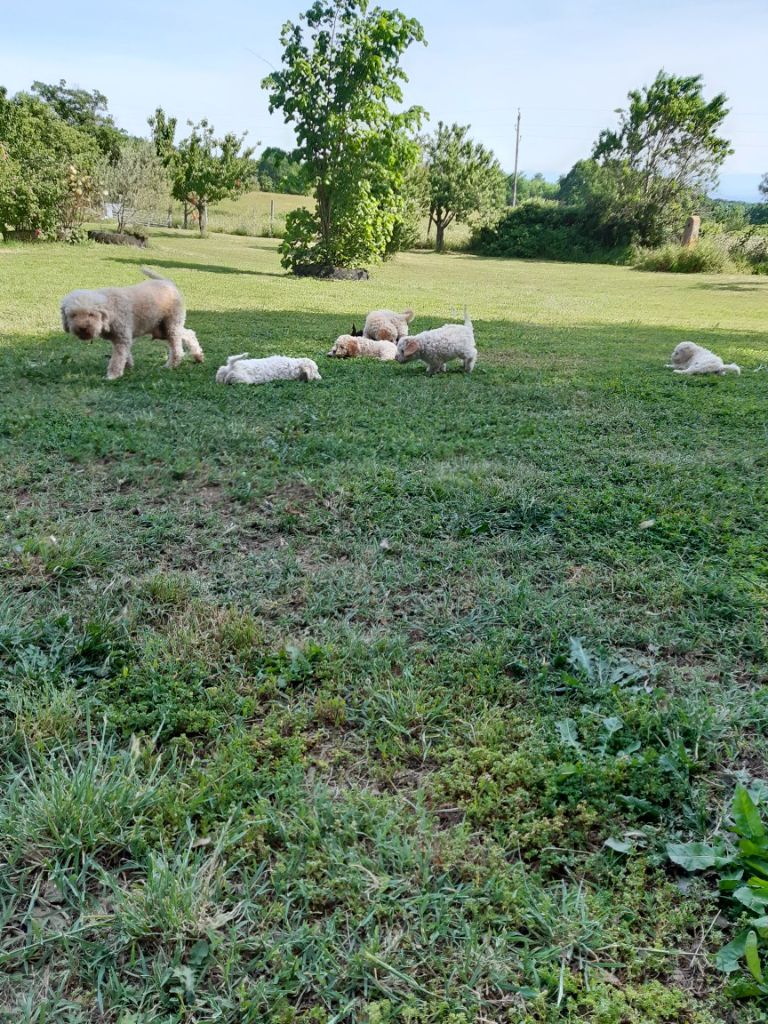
242	370
384	325
120	315
689	358
438	347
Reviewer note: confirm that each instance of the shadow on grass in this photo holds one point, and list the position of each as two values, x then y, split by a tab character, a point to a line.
734	286
601	358
206	268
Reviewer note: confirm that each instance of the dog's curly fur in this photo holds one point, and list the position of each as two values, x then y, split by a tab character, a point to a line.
350	346
689	358
384	325
120	315
438	347
242	370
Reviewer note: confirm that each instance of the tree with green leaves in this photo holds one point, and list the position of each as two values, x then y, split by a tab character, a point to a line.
340	73
281	171
202	169
207	169
534	187
163	130
48	169
136	183
664	153
86	111
465	181
763	187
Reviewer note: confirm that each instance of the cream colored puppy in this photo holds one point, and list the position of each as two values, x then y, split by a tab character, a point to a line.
690	358
384	325
350	347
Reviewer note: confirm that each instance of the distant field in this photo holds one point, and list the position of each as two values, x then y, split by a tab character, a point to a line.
319	703
250	215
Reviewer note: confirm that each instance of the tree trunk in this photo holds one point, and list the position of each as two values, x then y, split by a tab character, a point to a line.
169	219
202	210
326	227
439	236
186	214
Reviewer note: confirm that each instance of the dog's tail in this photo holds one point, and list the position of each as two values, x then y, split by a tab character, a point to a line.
147	272
407	315
468	323
732	368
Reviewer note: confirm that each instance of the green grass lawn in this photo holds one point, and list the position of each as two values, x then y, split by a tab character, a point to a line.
297	723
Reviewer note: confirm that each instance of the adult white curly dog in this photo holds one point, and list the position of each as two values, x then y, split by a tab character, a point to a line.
120	315
384	325
242	370
438	347
690	358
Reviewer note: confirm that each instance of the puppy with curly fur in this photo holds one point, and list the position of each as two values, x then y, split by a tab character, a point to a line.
689	358
242	370
440	346
154	308
384	325
349	346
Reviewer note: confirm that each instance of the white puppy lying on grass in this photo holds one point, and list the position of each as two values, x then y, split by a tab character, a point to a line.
242	370
437	347
691	358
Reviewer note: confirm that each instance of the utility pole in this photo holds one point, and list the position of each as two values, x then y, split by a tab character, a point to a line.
517	154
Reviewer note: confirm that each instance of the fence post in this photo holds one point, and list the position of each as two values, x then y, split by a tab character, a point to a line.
691	233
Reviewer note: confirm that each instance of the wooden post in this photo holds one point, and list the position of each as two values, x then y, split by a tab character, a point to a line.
517	156
691	233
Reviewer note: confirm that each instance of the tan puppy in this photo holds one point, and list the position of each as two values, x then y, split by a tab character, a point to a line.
350	347
120	315
384	325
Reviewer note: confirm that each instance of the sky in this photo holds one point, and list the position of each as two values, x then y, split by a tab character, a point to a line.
566	66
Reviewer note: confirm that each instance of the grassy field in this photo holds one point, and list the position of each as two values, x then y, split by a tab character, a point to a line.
320	702
249	214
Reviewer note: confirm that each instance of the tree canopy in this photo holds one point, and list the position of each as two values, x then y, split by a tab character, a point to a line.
465	181
86	111
202	169
664	153
136	183
281	171
340	73
48	169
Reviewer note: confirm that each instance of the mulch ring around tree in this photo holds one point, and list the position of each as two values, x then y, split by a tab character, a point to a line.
119	238
332	273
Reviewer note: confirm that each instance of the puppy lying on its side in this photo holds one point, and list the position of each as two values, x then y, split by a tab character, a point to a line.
242	370
350	347
691	358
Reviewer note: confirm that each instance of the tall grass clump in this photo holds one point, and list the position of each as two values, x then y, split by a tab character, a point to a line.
707	257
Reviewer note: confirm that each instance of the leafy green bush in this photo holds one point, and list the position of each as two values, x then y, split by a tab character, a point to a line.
707	257
541	229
